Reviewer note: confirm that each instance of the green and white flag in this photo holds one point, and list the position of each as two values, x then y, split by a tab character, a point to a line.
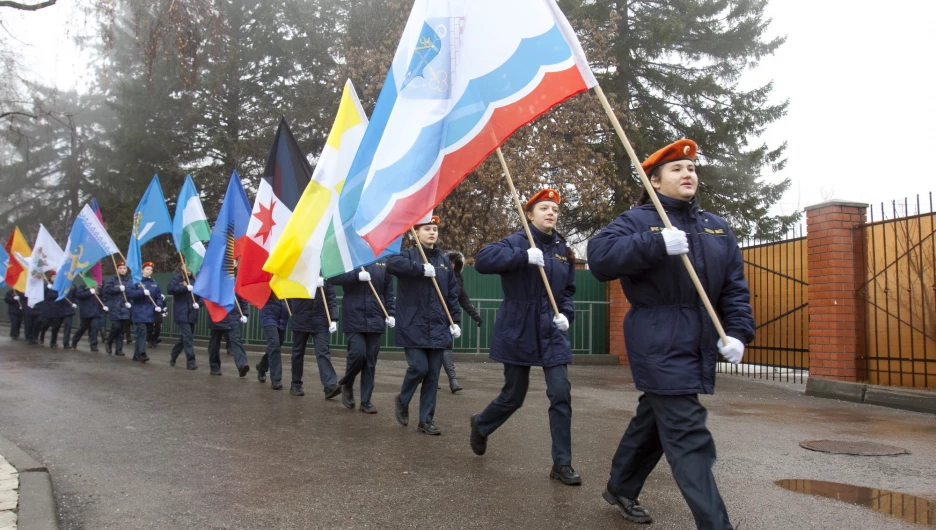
190	227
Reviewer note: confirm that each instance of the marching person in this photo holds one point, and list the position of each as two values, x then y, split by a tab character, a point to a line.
154	330
310	320
672	343
14	300
185	314
424	331
448	356
528	333
54	314
31	319
143	296
90	313
115	288
274	318
230	327
363	323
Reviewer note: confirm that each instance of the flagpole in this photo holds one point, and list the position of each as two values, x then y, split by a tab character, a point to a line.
239	310
148	296
374	290
434	282
289	310
325	303
526	227
659	208
114	261
185	272
95	294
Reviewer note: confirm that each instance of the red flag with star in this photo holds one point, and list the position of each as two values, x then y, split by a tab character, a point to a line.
286	176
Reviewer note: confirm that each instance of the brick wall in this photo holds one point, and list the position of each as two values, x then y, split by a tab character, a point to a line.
618	308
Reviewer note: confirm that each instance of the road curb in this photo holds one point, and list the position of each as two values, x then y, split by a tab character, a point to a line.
895	398
36	510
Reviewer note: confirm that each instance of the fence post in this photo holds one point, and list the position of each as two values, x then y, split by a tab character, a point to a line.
616	310
835	261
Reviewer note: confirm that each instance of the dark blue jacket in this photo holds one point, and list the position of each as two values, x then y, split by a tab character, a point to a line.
143	311
35	311
308	314
421	320
14	305
61	309
88	306
182	310
232	319
524	332
360	310
274	313
670	339
115	299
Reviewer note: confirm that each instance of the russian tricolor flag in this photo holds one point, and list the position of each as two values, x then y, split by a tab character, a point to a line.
466	75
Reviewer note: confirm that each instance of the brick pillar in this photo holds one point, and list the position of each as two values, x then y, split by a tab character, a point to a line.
616	312
835	259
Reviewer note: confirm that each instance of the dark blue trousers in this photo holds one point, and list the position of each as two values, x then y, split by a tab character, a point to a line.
424	366
139	341
90	325
362	359
272	359
185	343
16	320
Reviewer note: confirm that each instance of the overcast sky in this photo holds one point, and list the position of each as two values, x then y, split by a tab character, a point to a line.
857	74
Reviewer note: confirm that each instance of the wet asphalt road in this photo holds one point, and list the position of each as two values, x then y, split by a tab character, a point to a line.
151	446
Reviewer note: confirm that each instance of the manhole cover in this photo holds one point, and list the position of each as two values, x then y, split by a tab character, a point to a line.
841	447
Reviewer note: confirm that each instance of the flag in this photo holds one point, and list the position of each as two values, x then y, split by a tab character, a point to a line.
150	219
16	270
46	256
286	175
215	284
190	226
87	244
96	272
301	253
465	76
4	264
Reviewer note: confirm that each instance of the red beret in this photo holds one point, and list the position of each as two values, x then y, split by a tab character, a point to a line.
684	149
149	264
545	195
434	220
51	273
121	263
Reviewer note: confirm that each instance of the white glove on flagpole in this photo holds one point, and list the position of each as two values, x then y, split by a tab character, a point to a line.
127	305
194	305
321	282
123	288
535	257
561	322
189	287
146	292
244	319
733	351
16	297
92	290
676	242
105	308
456	331
390	321
333	327
74	306
363	276
428	270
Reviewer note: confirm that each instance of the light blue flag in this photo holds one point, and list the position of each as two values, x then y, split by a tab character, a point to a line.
4	263
150	219
87	244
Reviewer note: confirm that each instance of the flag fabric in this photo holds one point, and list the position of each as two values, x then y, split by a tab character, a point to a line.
285	178
465	76
190	226
16	270
301	254
4	264
46	256
150	219
88	243
96	273
215	284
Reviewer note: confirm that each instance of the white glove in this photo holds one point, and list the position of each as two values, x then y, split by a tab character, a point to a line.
146	292
676	242
733	351
390	321
122	288
74	306
244	319
456	331
333	327
363	276
127	305
189	287
535	257
561	322
105	308
321	282
92	290
194	305
16	297
428	270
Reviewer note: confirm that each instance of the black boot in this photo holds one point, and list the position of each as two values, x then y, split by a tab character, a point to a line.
454	386
347	396
368	408
478	442
108	348
630	508
276	385
429	428
566	475
402	413
296	390
332	391
261	375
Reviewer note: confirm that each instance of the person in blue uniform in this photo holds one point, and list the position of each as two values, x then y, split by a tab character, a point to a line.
14	300
424	330
31	319
54	314
230	327
115	289
90	313
672	343
309	320
274	318
185	306
528	332
144	296
363	322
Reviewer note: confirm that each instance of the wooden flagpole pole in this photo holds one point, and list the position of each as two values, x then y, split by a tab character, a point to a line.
434	282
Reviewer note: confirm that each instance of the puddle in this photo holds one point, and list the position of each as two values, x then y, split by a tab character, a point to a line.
903	506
